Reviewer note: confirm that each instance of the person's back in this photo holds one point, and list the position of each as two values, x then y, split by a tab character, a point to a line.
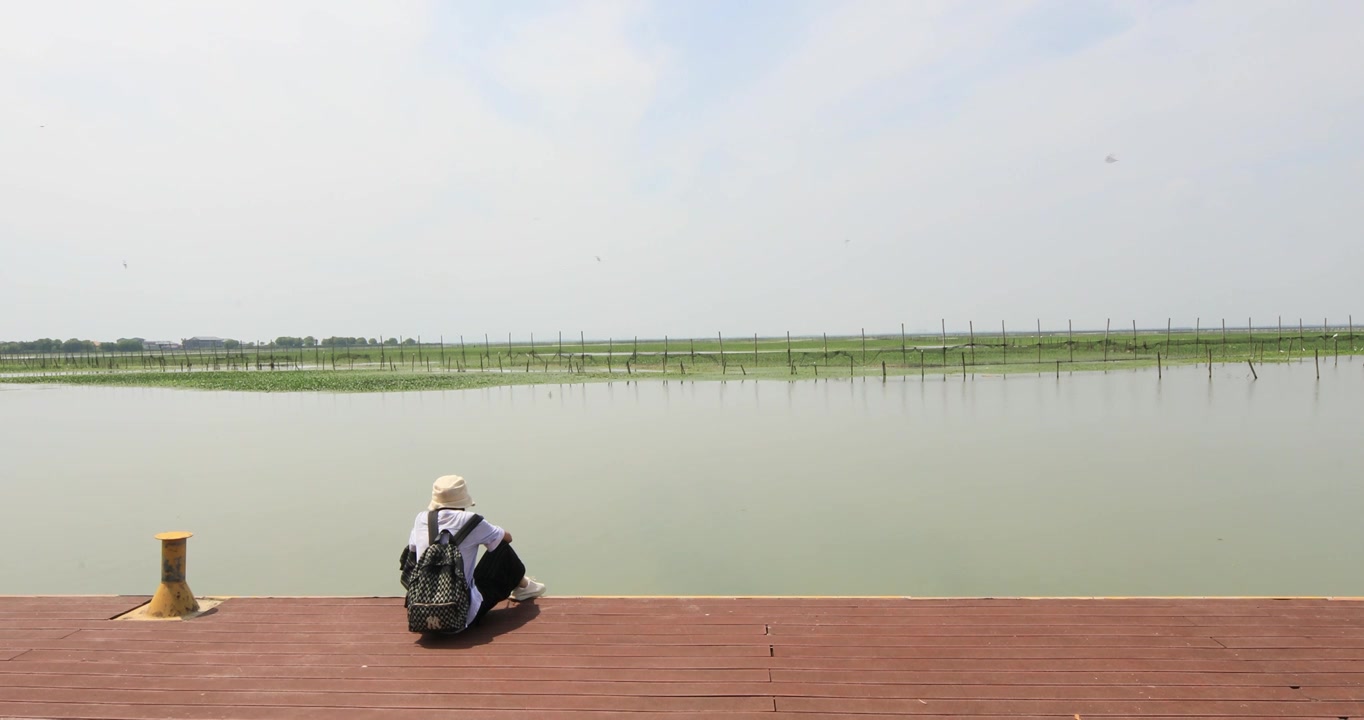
499	574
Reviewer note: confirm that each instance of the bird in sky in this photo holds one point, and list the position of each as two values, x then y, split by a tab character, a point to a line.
846	241
125	264
1111	159
598	257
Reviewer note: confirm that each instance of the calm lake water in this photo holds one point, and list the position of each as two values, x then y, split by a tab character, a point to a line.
1093	484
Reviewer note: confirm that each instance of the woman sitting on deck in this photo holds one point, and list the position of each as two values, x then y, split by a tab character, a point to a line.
499	574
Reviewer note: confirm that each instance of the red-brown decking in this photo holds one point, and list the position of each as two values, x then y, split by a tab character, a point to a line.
754	658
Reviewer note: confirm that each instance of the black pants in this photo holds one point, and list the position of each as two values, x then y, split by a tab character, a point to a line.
498	573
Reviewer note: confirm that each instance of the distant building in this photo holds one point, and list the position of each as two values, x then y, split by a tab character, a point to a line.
160	345
204	342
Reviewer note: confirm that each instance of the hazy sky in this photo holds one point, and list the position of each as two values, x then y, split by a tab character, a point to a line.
358	168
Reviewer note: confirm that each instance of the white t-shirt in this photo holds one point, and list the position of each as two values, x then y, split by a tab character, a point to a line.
485	534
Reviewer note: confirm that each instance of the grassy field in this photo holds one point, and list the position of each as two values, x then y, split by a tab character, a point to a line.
427	367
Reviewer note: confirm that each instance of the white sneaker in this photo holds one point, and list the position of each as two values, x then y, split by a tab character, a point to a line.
531	591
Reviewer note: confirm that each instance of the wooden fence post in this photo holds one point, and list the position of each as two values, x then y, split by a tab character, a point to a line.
944	343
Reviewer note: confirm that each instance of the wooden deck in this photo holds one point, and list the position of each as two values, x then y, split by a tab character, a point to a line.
753	658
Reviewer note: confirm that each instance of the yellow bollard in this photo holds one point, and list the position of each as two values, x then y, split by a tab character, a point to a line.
173	597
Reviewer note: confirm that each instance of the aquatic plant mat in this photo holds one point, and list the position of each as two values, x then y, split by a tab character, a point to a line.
338	365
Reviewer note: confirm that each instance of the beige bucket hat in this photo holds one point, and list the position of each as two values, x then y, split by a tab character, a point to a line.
449	491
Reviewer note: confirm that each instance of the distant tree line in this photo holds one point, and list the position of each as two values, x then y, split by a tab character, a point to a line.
74	345
293	342
348	342
54	345
125	345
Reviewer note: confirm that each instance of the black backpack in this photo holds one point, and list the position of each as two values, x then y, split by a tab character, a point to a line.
437	591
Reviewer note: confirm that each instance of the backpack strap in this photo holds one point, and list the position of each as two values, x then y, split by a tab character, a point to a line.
432	524
468	528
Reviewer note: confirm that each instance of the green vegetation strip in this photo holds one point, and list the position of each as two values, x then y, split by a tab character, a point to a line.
426	367
298	381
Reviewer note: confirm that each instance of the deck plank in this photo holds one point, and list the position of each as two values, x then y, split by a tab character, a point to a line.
403	639
626	688
438	660
10	637
337	686
491	651
1070	708
692	657
95	711
1060	653
382	672
1243	678
432	698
